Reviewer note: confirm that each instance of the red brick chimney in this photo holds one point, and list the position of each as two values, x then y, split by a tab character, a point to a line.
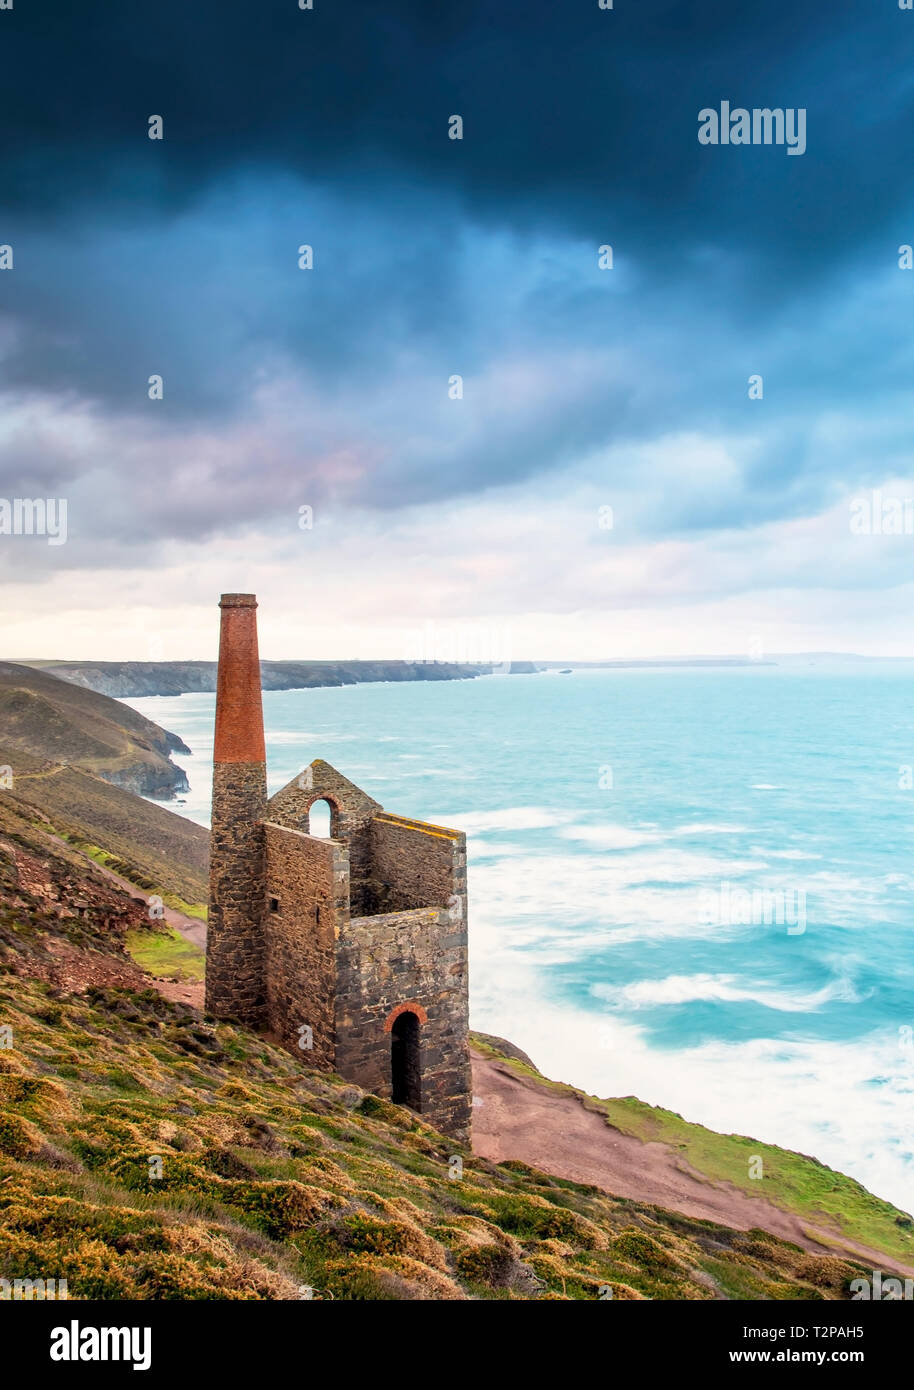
239	709
235	986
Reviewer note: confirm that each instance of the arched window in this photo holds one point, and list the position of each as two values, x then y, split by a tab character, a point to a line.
405	1066
319	818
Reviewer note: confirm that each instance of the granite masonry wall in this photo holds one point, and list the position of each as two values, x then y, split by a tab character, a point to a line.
416	864
306	902
414	956
235	945
404	959
351	811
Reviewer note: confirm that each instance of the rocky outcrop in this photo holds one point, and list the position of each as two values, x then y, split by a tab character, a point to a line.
162	783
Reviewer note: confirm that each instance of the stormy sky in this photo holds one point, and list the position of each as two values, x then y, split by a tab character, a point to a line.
583	388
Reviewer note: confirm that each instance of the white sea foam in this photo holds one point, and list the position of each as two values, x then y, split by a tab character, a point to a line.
701	828
610	836
513	818
480	849
684	989
560	905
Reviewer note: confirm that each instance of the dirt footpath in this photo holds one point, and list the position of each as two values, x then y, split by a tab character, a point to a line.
521	1119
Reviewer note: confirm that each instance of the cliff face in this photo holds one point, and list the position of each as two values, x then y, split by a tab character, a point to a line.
161	783
126	680
59	724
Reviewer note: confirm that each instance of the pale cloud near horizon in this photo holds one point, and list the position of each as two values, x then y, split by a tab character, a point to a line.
526	572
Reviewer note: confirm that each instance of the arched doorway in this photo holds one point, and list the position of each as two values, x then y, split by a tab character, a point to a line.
405	1066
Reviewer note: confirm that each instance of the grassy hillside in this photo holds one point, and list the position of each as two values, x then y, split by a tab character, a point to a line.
57	722
269	1177
272	1177
156	849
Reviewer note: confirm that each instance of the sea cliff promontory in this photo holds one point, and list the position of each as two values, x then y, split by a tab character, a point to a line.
126	680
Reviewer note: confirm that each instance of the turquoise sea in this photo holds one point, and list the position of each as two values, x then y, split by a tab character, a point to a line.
694	886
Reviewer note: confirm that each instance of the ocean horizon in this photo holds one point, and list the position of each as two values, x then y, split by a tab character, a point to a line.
689	884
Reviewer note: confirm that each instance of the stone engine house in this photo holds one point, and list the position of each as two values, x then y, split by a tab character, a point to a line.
351	950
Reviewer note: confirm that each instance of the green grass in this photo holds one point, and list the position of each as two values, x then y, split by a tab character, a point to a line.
165	955
199	910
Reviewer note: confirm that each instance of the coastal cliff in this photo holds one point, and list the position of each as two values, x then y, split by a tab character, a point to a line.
126	680
54	724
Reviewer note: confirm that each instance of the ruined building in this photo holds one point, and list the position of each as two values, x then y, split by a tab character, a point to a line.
352	949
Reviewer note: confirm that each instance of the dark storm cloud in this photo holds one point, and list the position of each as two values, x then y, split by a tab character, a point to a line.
580	117
436	256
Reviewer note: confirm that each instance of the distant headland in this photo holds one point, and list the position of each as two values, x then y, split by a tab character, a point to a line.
126	680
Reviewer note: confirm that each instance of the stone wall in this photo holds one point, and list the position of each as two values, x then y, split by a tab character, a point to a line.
234	946
306	902
414	863
351	811
401	958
